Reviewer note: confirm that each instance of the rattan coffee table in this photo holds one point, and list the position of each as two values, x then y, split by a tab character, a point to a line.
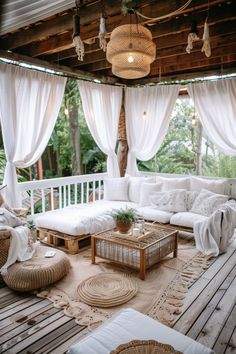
141	254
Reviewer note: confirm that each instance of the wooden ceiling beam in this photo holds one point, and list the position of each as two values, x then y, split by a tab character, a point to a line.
171	28
79	74
88	14
172	44
25	37
177	54
186	74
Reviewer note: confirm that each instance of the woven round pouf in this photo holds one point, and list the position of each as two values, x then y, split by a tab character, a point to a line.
37	272
107	289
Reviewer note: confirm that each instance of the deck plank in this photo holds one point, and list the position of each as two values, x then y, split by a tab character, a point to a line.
31	301
9	323
227	332
34	333
213	327
52	340
65	346
203	296
28	323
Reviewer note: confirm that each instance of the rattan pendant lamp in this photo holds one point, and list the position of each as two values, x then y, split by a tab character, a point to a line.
131	51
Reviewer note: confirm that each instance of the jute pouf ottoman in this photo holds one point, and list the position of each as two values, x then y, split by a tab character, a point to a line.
37	272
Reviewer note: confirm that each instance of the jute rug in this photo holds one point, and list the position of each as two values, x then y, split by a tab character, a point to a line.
161	295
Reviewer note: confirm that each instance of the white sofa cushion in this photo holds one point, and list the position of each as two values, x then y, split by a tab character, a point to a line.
216	186
116	188
135	185
146	190
174	200
128	325
174	183
153	214
207	202
186	219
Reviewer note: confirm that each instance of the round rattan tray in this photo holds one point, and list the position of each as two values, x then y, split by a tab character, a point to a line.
145	347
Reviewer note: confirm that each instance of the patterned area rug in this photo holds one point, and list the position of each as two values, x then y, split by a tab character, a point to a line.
160	296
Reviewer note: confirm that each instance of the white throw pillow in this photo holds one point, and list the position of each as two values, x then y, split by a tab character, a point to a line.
135	185
216	186
207	202
173	201
116	188
191	196
174	183
146	190
9	219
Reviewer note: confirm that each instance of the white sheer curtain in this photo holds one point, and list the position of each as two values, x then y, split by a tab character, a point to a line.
215	102
29	106
148	113
101	106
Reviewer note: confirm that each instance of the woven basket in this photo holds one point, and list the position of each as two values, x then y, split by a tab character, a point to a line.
145	347
4	247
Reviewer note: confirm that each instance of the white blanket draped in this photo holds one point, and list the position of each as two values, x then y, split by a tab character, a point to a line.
212	235
21	249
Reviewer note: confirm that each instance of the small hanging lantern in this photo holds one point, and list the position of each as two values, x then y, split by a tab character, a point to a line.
192	37
206	48
77	41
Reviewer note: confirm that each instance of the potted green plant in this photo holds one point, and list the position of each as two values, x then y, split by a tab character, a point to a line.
124	219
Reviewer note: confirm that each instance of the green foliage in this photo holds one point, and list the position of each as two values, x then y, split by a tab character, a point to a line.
126	216
2	164
93	160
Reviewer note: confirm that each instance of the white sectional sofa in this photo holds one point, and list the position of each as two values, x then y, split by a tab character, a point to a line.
128	325
179	201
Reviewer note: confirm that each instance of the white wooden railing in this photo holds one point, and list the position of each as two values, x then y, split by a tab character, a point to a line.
57	193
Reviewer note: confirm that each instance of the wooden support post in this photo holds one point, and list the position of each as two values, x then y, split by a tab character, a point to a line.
123	148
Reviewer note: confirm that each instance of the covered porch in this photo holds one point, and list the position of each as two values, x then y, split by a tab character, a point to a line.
39	36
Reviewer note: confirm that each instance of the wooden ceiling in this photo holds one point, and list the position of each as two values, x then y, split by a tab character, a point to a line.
45	37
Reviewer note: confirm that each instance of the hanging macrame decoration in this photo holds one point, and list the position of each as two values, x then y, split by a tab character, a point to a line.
192	37
77	41
206	48
102	34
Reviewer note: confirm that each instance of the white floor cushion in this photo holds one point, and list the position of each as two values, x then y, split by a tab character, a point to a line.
81	219
186	219
152	214
128	325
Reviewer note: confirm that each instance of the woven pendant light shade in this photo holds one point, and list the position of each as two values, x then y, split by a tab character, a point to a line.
131	51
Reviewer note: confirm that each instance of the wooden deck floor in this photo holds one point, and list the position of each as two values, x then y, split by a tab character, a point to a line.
32	325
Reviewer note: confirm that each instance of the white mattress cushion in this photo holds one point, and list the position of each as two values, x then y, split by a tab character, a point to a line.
217	186
186	219
174	183
81	219
128	325
153	214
